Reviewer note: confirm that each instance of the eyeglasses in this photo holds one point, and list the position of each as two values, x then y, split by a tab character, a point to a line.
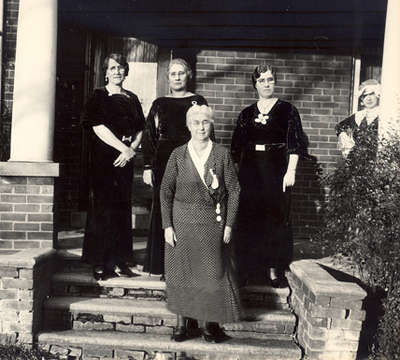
201	123
262	81
180	73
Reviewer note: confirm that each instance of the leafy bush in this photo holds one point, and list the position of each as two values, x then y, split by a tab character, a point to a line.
362	220
14	352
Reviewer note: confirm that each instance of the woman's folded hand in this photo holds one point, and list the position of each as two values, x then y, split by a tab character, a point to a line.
124	157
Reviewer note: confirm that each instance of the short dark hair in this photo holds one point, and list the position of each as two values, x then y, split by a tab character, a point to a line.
119	58
259	70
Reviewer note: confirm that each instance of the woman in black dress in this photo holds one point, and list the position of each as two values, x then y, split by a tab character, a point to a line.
266	145
114	120
361	128
165	130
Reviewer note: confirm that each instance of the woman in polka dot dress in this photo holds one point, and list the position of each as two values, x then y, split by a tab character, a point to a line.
199	202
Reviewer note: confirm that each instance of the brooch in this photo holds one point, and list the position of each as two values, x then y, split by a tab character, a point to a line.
261	119
215	182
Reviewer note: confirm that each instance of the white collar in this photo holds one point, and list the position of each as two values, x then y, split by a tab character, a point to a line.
369	115
200	161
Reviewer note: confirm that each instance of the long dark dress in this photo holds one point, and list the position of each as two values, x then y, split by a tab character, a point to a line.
165	130
264	231
199	279
108	233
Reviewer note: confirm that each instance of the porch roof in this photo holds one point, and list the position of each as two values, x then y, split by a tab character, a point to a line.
354	26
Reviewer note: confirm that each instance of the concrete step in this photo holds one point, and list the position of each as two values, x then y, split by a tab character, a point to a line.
140	316
70	258
118	345
144	286
73	239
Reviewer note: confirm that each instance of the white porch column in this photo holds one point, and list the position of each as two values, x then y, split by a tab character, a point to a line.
389	122
34	82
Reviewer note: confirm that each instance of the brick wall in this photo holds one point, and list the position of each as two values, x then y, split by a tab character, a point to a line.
24	284
26	212
330	312
8	61
318	85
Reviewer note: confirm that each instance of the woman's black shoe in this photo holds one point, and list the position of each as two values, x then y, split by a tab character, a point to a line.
109	273
213	333
179	334
124	270
98	272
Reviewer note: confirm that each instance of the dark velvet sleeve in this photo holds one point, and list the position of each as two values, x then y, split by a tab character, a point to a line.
348	123
167	190
233	189
138	116
94	113
296	140
150	137
239	138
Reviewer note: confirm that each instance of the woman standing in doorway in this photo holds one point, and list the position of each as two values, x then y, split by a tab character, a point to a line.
266	145
165	130
114	119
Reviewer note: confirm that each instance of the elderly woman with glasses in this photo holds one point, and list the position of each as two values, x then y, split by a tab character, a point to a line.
199	202
361	127
266	145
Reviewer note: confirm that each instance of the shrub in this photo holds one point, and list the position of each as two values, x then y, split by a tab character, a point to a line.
15	352
361	219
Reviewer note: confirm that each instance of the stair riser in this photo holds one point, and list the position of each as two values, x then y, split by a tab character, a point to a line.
111	292
98	352
162	325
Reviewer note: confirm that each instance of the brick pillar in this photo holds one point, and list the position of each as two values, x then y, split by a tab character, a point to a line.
330	312
389	122
26	205
24	284
34	82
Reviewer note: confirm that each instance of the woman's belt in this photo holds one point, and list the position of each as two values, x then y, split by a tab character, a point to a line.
266	147
126	139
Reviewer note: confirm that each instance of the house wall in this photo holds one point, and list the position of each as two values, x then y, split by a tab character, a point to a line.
8	61
318	85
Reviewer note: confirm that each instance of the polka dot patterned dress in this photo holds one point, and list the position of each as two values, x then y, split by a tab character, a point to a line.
199	279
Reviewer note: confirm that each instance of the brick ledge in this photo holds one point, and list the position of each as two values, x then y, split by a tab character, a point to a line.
320	282
22	168
27	258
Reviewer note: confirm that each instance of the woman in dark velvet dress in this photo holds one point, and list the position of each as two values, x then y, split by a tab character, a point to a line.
165	130
266	145
114	120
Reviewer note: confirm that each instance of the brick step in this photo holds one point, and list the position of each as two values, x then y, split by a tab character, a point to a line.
153	317
144	286
87	345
